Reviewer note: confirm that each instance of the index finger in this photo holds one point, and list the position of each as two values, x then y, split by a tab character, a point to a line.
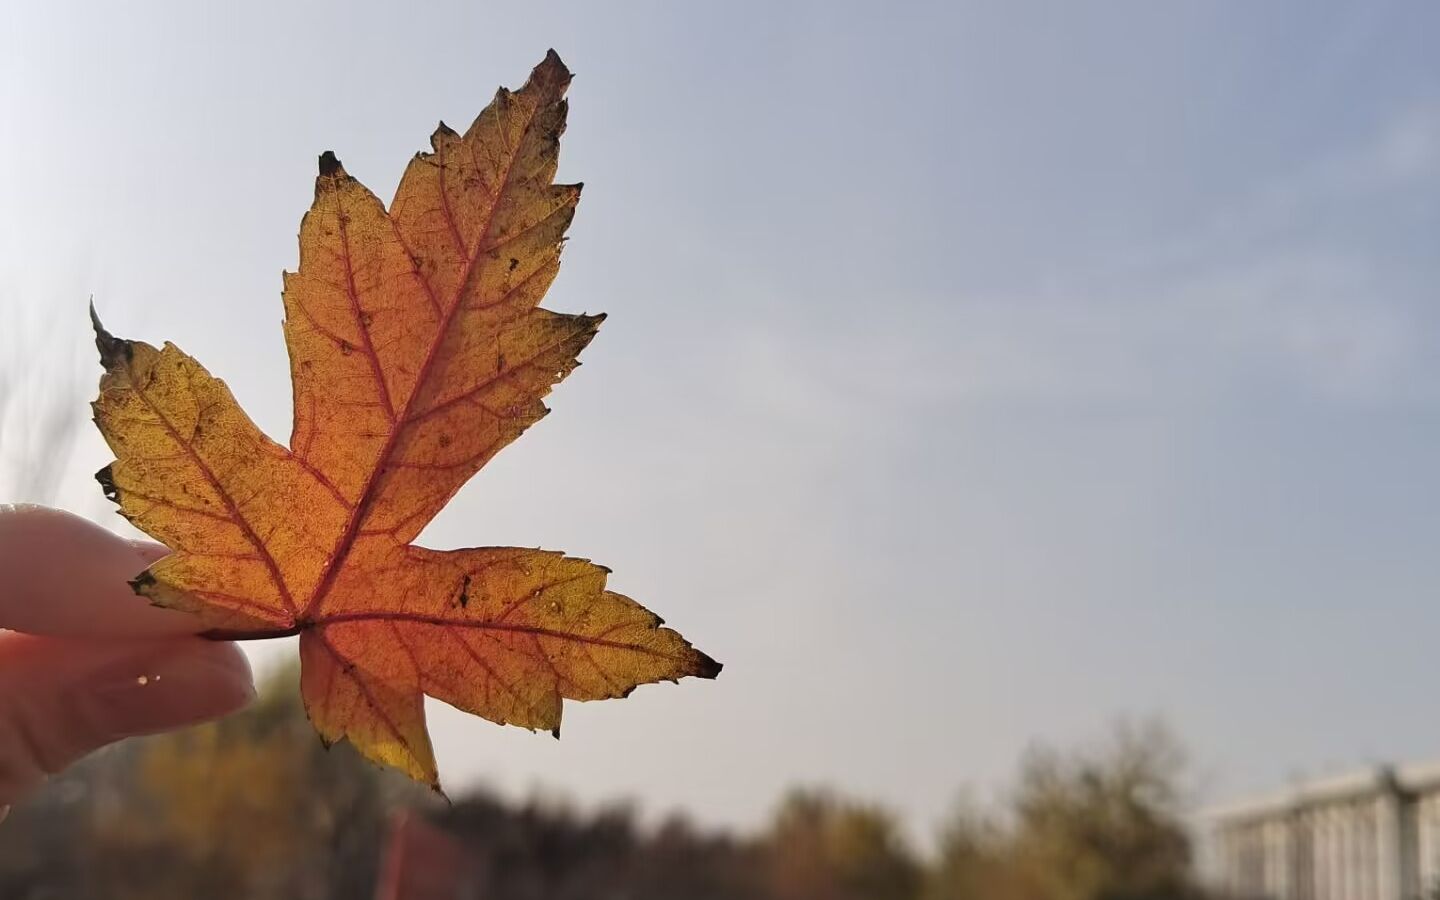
65	576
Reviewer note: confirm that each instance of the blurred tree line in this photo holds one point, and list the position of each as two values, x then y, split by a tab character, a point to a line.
254	807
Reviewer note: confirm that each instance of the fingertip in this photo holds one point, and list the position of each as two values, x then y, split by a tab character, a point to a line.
168	685
149	551
61	698
63	575
232	671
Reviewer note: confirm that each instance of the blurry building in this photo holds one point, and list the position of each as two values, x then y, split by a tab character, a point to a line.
1369	835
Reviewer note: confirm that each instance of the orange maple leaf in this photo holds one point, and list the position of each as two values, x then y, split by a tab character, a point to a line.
417	351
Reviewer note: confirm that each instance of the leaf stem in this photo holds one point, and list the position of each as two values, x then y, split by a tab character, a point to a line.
258	634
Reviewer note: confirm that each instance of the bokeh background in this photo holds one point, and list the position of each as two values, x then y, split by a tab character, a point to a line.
977	374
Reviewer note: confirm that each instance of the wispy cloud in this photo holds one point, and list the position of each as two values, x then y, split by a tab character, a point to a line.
1260	300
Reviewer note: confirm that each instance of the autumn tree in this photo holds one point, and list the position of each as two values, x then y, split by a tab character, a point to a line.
255	800
1107	826
1102	825
246	808
823	845
974	860
547	851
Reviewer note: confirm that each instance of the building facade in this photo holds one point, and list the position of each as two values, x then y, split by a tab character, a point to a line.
1371	835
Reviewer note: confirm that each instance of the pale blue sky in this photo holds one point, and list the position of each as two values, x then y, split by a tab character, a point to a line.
976	372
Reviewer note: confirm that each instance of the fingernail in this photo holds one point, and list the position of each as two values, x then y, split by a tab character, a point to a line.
166	686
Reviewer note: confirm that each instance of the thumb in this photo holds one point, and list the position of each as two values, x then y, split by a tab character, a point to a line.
61	698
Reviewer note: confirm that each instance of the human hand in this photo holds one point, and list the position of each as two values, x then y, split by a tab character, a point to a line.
85	661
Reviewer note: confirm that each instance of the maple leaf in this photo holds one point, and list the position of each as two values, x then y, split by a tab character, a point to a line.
417	351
